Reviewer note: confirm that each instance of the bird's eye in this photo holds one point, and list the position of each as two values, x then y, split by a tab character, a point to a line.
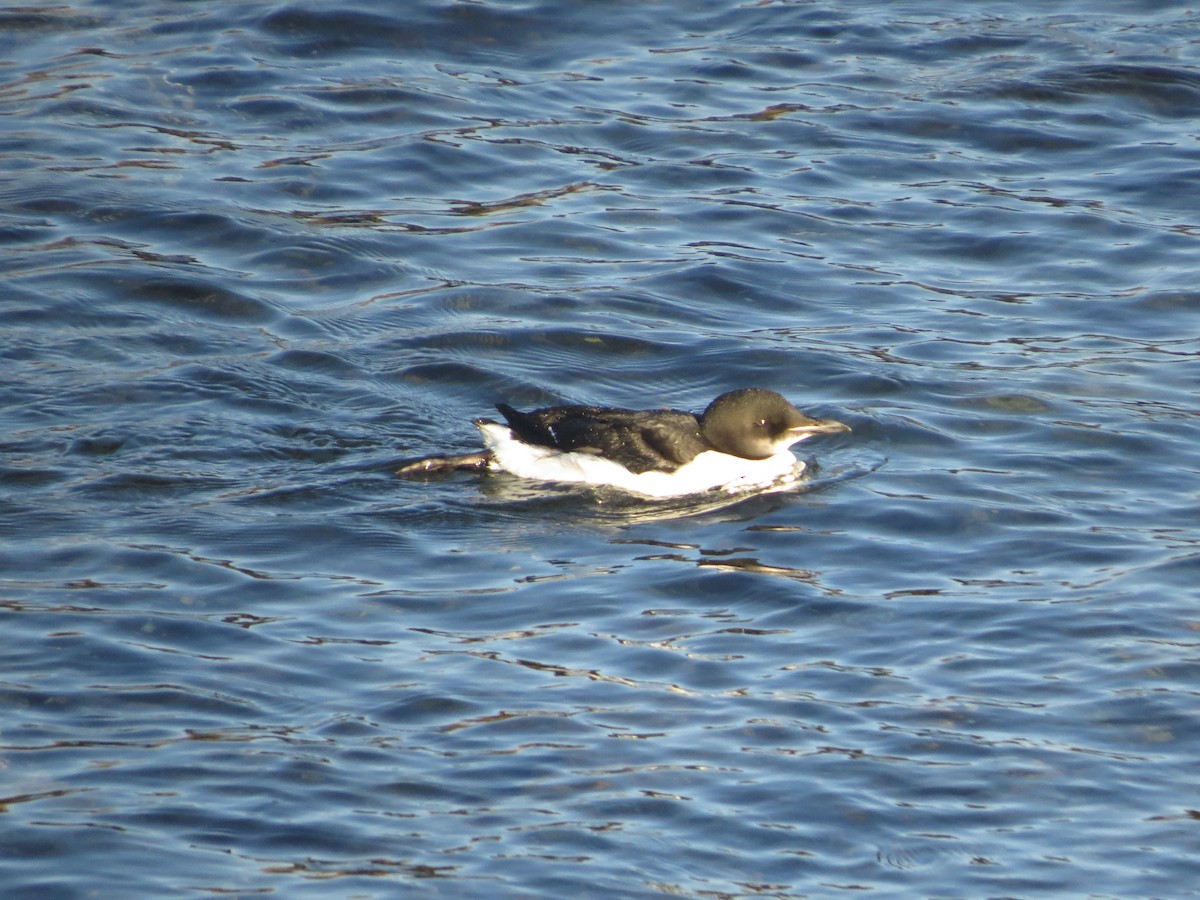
762	423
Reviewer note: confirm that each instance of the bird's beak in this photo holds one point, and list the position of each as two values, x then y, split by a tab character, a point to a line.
817	426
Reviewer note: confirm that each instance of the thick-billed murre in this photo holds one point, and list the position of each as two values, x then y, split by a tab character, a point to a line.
740	442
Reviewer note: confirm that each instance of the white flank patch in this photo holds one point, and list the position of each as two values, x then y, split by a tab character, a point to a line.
710	470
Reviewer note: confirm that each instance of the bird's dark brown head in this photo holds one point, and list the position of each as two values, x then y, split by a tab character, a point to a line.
755	423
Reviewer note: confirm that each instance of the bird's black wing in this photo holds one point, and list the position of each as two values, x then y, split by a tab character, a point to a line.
640	440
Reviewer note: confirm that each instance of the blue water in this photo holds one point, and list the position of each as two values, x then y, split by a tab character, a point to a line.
253	254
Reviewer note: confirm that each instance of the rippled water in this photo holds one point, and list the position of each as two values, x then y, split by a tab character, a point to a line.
255	253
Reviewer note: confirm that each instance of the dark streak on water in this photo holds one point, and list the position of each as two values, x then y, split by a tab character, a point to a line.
254	253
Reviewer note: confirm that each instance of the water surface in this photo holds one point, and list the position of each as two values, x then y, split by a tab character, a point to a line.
253	254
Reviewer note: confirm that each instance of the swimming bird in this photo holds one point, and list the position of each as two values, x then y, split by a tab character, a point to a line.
740	442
